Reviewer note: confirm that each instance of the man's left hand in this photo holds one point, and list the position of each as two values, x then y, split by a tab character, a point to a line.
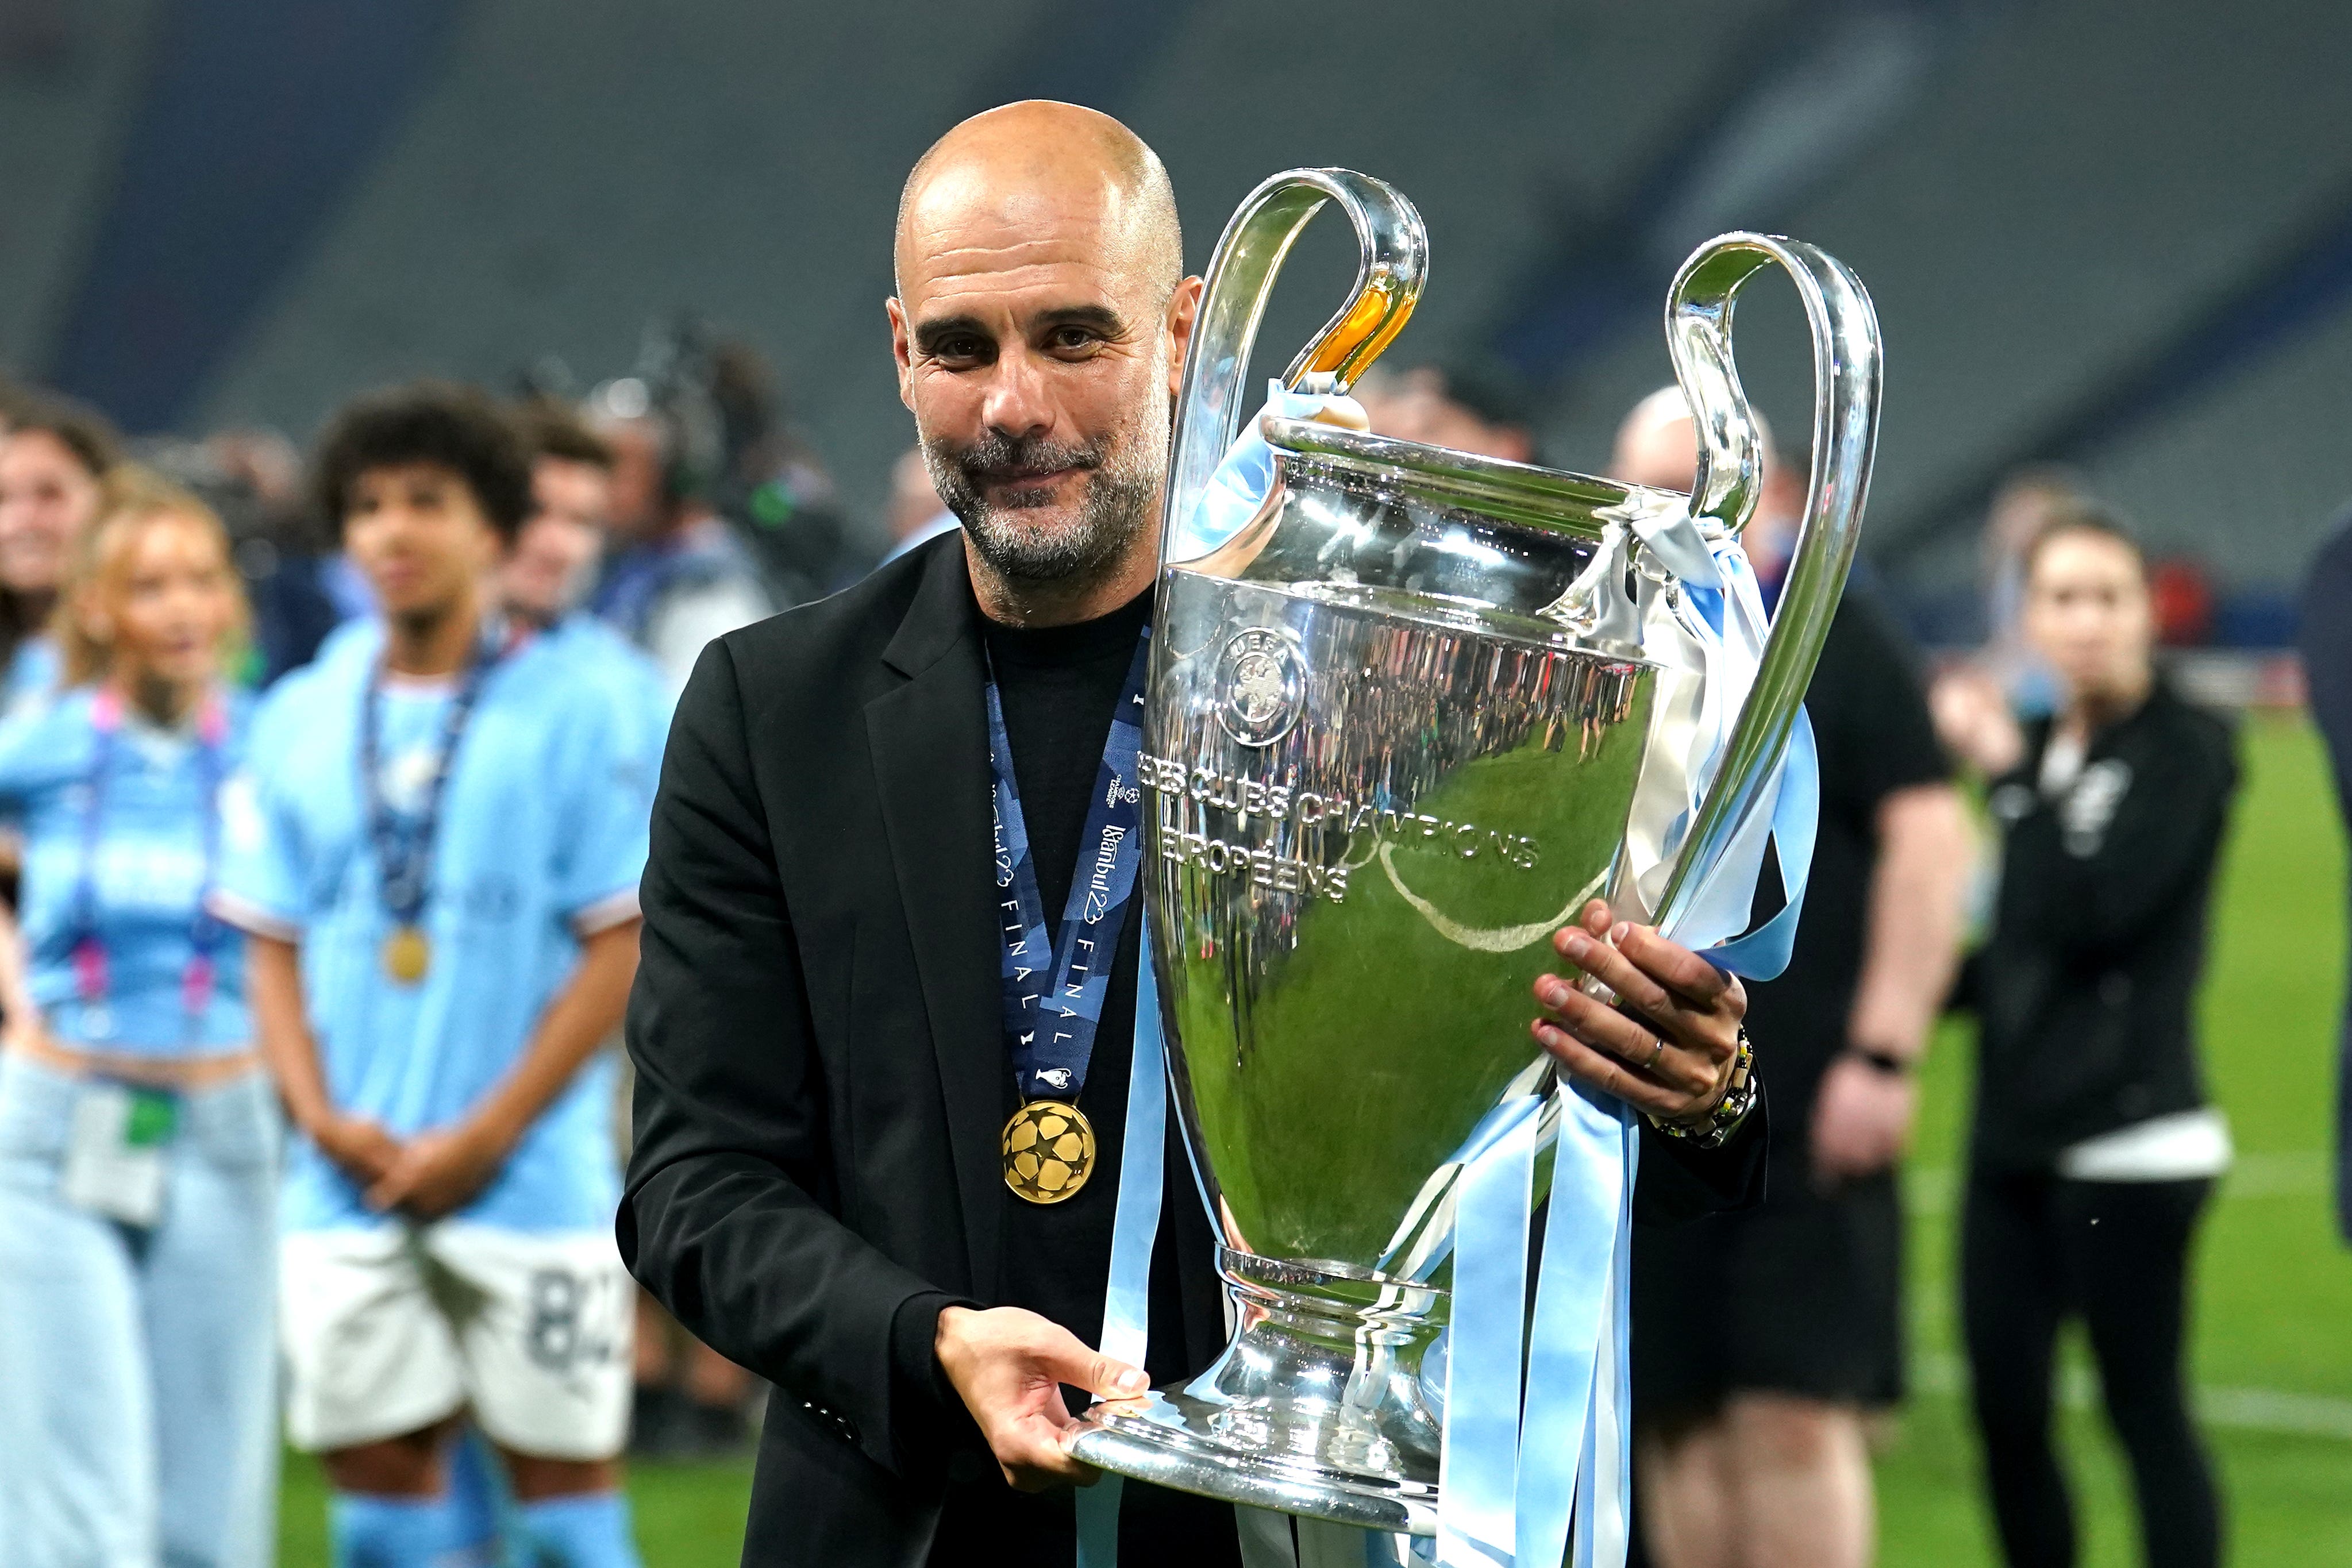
440	1172
1668	1045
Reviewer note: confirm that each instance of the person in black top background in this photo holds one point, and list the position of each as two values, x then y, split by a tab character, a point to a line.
816	1188
1751	1449
2093	1150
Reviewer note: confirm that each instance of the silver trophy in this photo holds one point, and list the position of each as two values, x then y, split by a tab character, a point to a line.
1398	724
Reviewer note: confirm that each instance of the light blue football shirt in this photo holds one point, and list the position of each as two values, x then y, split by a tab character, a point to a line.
34	675
146	876
644	704
543	836
640	692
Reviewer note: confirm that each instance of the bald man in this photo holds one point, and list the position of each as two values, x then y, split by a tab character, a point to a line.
828	1054
1752	1454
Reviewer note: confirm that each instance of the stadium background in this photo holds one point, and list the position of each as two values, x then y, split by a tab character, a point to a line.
2116	235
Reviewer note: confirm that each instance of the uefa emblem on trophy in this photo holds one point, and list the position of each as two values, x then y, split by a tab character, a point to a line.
1261	685
1402	721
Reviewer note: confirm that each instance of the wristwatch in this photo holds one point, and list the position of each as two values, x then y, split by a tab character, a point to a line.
1729	1111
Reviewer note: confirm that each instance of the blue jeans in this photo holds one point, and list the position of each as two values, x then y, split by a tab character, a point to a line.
137	1394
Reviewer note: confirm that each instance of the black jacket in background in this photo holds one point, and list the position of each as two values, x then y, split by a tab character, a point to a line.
2085	986
821	1069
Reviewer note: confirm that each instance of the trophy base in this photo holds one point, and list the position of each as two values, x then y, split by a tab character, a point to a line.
1316	1408
1169	1439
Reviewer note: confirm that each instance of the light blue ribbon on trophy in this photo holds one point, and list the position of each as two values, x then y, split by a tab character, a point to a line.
1717	606
1477	1477
1135	1226
1534	1421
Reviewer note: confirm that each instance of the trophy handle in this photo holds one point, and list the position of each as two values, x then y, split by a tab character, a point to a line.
1394	261
1846	365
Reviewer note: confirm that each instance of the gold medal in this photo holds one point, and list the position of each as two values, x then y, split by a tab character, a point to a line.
408	953
1049	1150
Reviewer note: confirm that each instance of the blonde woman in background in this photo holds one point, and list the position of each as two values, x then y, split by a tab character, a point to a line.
138	1134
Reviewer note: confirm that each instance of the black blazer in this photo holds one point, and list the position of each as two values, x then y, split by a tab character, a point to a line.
815	1027
2087	985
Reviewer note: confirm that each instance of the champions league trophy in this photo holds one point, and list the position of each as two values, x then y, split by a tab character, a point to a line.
1403	724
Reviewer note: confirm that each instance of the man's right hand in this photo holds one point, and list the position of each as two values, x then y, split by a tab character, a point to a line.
362	1149
1009	1366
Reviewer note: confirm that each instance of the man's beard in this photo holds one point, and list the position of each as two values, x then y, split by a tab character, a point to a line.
1122	477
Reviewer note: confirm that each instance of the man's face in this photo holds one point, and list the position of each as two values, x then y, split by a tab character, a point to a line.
418	535
1040	366
555	555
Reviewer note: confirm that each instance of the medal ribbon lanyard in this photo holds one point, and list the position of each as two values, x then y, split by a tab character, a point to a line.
91	978
1049	1028
402	843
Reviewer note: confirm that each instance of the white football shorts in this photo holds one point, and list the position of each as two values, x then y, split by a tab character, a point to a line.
389	1329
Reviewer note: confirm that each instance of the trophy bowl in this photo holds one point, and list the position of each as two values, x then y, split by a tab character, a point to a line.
1397	725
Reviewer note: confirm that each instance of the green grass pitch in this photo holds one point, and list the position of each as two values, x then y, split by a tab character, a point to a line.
2274	1326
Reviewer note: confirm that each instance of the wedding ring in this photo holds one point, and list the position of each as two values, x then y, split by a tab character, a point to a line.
1657	1055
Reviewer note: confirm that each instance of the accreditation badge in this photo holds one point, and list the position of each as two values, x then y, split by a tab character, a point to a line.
117	1152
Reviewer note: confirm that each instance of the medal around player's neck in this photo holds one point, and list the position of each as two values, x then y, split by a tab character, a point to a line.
1054	988
404	842
407	954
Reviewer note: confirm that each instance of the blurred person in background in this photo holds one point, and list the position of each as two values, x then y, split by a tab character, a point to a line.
2324	637
676	575
53	456
1480	408
138	1140
1978	700
434	852
2094	1150
2021	510
253	479
775	483
915	512
548	574
690	1400
553	564
1755	1454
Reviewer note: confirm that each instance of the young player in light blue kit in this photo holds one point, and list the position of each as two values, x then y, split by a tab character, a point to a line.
436	851
138	1141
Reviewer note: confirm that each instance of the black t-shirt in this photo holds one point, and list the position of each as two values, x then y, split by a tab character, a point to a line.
1058	686
1870	723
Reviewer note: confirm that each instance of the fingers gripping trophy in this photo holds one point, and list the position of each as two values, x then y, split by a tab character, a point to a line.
1404	718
